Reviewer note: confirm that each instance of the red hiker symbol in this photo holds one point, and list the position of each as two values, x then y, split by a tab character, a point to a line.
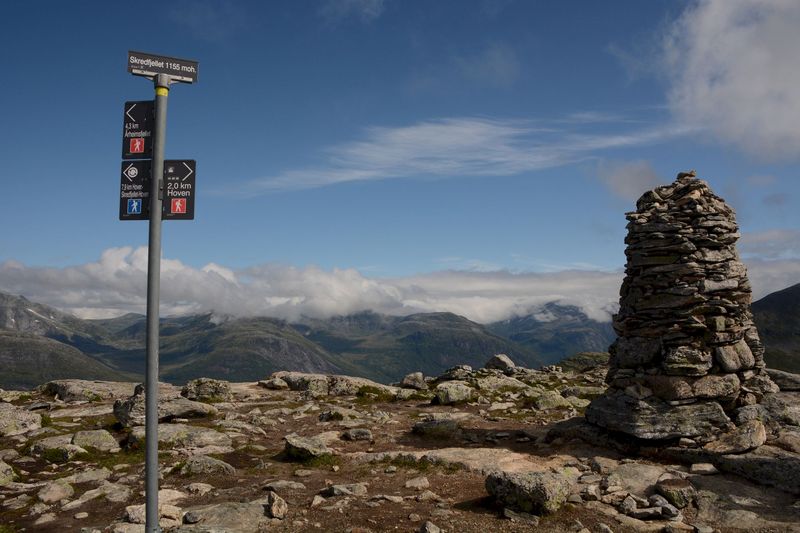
137	145
178	206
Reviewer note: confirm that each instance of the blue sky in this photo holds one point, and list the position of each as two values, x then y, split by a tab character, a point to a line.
471	156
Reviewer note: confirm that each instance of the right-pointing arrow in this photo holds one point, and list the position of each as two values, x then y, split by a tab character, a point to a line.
189	169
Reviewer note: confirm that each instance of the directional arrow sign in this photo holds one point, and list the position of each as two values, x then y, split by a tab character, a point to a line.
134	190
179	188
142	64
137	132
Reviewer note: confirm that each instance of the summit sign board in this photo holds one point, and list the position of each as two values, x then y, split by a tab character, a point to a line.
150	65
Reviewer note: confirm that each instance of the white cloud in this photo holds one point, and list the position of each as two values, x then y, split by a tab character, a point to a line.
732	66
628	179
116	284
772	244
335	11
455	147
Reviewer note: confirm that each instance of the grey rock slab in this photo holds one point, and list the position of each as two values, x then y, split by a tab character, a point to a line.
244	517
55	491
276	506
131	411
437	428
787	381
653	418
481	460
16	421
638	478
346	489
678	492
302	448
282	485
535	492
99	439
183	436
766	465
72	390
202	464
501	382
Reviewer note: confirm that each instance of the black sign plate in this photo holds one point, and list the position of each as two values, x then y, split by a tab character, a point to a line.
179	187
142	64
134	190
137	133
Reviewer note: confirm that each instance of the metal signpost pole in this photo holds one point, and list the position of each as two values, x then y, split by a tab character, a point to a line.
153	286
144	140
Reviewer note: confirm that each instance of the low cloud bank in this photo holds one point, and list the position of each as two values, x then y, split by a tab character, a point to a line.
116	284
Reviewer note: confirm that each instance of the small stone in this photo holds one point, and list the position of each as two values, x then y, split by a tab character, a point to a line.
429	527
514	516
678	492
276	506
81	515
357	434
703	469
418	483
414	517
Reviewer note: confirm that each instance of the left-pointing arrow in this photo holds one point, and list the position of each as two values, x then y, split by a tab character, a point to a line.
130	172
128	112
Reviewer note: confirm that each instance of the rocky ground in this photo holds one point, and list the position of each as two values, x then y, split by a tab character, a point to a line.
468	451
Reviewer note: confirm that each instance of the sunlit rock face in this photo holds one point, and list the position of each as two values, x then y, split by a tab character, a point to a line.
687	350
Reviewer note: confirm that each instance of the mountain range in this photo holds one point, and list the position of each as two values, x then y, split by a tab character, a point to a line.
39	343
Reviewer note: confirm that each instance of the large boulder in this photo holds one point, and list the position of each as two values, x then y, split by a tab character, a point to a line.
202	464
652	418
75	390
452	392
98	439
228	516
746	437
532	492
315	385
15	421
304	448
131	411
500	362
414	380
207	390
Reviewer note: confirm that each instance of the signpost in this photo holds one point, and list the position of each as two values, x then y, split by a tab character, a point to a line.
137	132
179	189
142	118
134	190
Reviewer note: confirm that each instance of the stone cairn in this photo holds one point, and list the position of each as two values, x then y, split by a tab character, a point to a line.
687	352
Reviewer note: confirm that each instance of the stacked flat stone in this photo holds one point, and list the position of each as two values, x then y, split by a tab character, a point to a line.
687	350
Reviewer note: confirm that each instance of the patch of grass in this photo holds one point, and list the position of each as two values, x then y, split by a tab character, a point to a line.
420	397
94	398
5	528
335	416
54	455
370	394
323	461
47	421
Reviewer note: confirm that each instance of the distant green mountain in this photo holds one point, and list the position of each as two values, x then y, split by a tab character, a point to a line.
28	360
777	317
556	331
385	348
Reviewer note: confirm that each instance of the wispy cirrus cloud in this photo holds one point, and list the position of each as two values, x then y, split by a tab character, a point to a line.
457	147
628	179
